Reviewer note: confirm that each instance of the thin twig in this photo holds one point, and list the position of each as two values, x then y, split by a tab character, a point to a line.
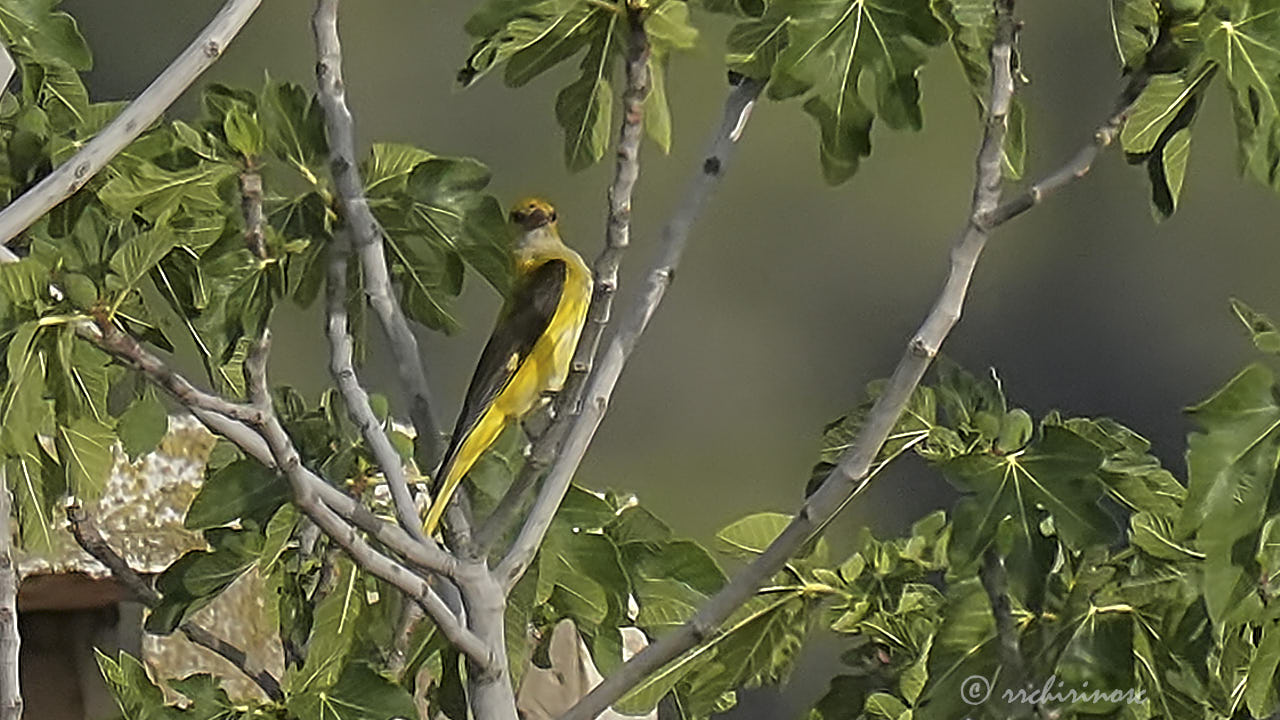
618	232
1078	166
367	234
307	496
251	207
90	539
853	467
124	347
568	402
10	639
996	583
675	237
72	175
354	396
410	616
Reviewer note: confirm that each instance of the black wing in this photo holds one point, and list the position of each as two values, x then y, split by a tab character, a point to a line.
524	319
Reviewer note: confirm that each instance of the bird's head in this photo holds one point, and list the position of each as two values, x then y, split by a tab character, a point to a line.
533	213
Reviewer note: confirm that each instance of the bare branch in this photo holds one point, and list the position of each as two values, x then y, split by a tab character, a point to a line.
90	539
1078	166
568	403
996	584
851	472
72	175
675	237
618	233
10	639
246	432
367	233
251	207
312	498
354	396
124	347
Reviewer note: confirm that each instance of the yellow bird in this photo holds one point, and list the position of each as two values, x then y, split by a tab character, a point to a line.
531	347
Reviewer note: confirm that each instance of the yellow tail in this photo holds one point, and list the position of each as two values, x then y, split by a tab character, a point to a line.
459	464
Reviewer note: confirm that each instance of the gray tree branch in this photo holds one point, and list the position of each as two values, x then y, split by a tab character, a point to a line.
851	472
626	172
10	640
604	377
245	427
90	539
366	233
72	175
354	396
307	495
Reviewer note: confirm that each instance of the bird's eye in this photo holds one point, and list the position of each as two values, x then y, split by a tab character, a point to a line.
553	216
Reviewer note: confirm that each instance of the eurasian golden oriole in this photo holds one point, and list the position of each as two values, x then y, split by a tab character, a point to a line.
530	350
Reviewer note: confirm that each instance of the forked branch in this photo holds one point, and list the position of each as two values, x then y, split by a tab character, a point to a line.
851	472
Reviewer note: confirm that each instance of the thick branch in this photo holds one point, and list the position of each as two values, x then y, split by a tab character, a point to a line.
87	535
851	472
63	182
10	639
354	396
996	584
307	495
675	237
367	233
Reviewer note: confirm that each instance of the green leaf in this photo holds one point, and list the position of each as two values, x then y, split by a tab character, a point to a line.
140	253
84	449
657	113
156	193
752	534
884	705
1056	472
1135	24
360	693
1157	132
1264	333
1156	536
243	132
973	28
964	649
143	425
533	36
197	577
137	695
1260	684
1244	40
332	633
1132	475
25	281
35	496
245	490
584	108
1231	466
293	125
36	28
754	46
832	45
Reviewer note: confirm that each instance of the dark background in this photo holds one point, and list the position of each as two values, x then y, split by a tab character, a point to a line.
793	294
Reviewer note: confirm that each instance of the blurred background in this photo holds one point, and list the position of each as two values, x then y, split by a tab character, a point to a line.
793	294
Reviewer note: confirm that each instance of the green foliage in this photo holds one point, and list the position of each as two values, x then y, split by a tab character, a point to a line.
533	36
